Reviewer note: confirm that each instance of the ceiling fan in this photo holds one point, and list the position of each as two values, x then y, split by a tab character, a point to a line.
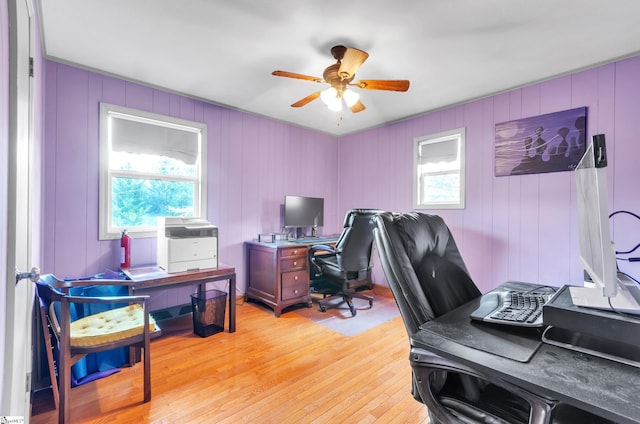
340	76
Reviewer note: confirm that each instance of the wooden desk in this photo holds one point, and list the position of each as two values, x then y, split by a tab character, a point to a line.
278	273
600	386
153	277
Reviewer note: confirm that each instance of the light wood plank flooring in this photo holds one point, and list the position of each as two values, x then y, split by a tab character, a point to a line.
272	370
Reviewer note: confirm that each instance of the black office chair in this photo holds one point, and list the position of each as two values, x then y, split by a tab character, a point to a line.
344	270
428	278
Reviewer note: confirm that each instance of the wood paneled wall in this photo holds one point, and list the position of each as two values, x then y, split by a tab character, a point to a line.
518	227
253	163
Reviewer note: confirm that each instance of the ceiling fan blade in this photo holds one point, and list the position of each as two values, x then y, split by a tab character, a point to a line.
308	99
357	107
297	76
351	62
389	85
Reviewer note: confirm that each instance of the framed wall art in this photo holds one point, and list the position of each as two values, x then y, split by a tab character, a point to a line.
546	143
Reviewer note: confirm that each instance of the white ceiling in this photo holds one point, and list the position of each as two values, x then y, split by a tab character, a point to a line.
223	51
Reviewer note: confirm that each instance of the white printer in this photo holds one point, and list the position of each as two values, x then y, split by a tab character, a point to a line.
186	244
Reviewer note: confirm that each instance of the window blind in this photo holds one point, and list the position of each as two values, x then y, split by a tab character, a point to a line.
441	151
142	137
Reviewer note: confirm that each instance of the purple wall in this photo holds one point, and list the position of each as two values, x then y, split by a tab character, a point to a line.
252	164
519	227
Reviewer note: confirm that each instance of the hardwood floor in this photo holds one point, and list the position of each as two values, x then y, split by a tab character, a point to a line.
271	370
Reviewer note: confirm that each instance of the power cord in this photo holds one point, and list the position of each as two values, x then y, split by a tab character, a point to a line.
540	287
627	252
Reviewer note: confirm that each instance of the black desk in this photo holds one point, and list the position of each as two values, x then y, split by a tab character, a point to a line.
601	386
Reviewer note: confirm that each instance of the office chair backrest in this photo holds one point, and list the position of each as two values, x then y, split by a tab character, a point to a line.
423	266
353	248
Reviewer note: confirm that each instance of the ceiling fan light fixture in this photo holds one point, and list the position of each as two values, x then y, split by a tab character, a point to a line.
350	97
331	98
335	105
329	95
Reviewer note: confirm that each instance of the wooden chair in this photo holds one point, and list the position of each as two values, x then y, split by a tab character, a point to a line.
126	326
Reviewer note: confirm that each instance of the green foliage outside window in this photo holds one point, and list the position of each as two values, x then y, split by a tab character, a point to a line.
138	201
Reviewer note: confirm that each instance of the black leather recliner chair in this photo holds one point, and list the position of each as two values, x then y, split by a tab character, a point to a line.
428	278
343	270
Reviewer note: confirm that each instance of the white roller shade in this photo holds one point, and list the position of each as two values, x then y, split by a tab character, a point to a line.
150	138
441	151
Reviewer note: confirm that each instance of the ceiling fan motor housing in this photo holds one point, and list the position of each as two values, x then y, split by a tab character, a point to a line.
333	78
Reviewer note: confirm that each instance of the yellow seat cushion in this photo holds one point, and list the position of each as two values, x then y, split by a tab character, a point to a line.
109	326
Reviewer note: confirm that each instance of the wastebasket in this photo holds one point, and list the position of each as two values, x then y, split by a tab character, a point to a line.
208	309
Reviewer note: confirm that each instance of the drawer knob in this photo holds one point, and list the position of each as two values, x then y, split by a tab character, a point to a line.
295	278
295	252
295	263
295	292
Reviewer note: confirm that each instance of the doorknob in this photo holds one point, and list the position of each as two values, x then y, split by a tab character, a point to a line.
34	274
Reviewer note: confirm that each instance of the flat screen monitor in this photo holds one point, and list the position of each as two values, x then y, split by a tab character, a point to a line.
597	251
300	212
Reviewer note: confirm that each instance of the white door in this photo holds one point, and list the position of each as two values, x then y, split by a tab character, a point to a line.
18	299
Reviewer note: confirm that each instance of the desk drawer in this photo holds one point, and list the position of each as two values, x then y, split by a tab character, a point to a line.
293	251
294	284
294	263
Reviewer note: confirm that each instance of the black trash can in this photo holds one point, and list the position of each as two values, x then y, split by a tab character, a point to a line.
208	310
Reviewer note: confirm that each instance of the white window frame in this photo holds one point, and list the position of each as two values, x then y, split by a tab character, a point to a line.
457	135
107	112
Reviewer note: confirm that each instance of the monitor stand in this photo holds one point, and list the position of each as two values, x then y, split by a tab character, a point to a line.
589	330
627	298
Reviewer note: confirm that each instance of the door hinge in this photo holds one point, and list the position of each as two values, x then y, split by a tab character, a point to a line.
31	67
28	388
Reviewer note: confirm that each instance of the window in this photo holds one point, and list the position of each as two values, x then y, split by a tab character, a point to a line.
438	162
150	166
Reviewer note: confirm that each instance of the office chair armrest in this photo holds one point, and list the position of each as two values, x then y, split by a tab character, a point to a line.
424	364
321	248
324	250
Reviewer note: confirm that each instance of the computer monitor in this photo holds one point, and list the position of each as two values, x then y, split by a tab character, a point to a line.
301	211
612	291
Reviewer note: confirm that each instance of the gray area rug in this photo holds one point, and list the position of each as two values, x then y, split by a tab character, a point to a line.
339	318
